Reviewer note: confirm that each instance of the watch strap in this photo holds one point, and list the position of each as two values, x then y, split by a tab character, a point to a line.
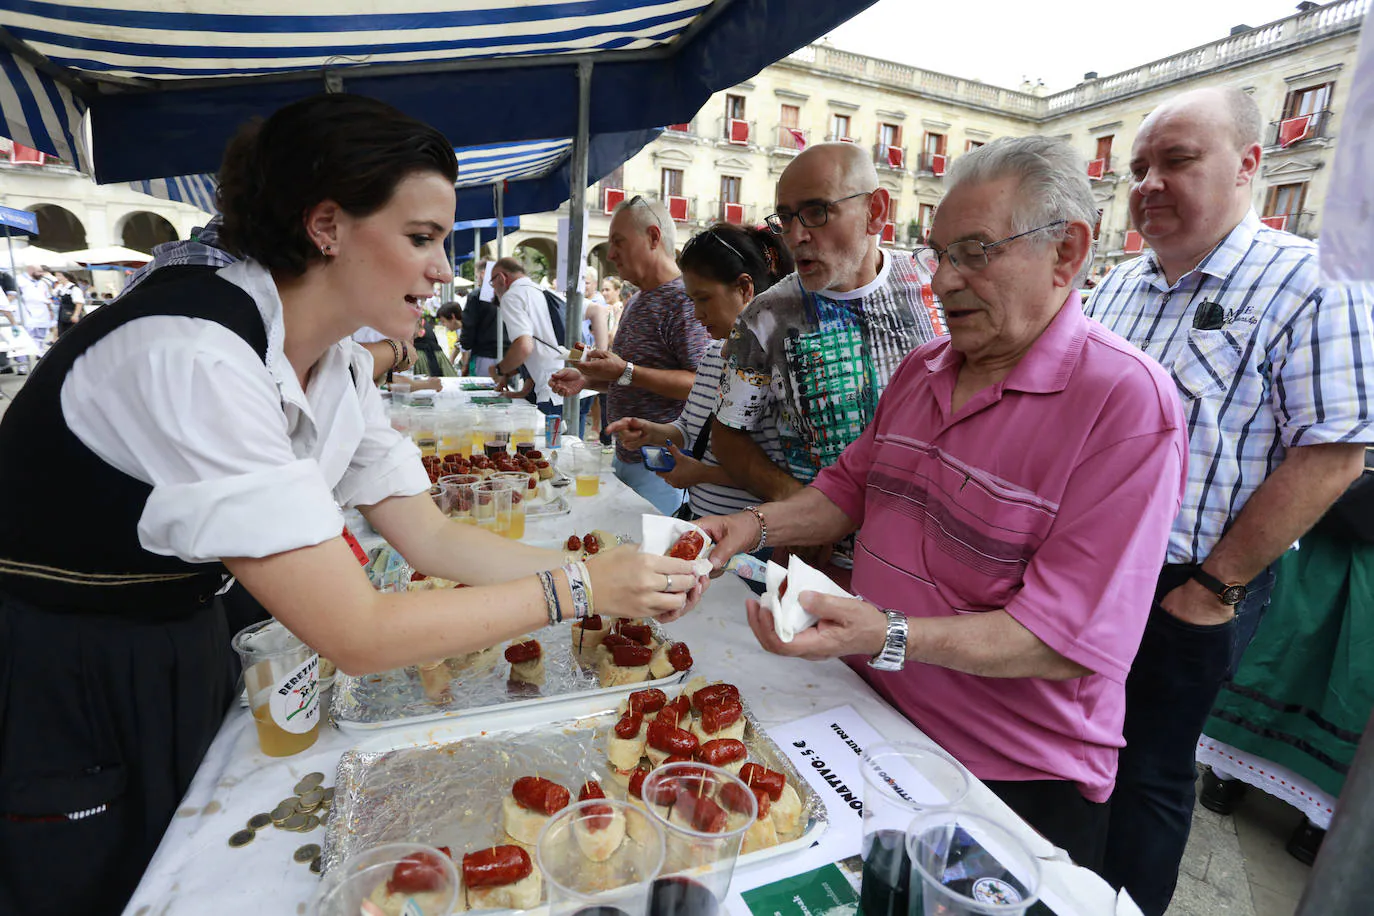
1215	585
893	654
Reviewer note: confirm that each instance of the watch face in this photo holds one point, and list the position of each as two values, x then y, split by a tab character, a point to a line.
1234	594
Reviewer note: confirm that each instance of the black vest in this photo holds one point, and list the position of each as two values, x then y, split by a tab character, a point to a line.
71	543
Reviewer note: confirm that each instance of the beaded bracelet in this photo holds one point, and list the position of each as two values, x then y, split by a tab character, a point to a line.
395	353
763	528
578	586
551	602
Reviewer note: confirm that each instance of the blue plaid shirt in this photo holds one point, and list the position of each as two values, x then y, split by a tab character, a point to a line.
1292	364
201	248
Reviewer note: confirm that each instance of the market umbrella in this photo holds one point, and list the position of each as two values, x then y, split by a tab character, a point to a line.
110	254
32	255
166	85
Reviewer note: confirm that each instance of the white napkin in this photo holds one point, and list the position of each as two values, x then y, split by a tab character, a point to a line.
660	533
788	617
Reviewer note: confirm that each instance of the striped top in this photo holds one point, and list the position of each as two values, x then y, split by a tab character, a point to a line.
712	498
1048	495
659	329
1291	365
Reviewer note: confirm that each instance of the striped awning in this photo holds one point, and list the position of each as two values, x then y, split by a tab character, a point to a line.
534	176
164	86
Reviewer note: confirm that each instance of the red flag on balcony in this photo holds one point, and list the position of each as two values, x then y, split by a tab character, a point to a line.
677	208
1294	129
681	128
798	137
1134	243
1097	168
739	130
612	199
937	164
1278	221
734	213
894	156
28	155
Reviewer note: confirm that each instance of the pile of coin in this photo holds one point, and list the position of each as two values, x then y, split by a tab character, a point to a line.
301	813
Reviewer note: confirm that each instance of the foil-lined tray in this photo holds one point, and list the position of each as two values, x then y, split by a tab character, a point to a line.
480	684
443	786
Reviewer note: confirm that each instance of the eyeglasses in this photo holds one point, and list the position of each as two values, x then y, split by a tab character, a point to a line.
639	199
812	216
710	234
971	254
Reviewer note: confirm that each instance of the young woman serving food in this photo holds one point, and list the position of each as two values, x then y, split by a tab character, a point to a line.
210	424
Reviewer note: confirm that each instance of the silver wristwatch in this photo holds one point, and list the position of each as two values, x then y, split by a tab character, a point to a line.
893	655
627	375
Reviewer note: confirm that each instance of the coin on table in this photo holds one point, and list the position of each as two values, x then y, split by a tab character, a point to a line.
259	821
315	865
312	799
294	803
308	782
329	795
294	822
241	838
310	824
282	812
306	852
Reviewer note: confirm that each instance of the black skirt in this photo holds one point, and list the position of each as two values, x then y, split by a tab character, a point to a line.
103	723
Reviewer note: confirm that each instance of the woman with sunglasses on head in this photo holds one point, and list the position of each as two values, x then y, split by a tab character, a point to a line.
723	268
211	423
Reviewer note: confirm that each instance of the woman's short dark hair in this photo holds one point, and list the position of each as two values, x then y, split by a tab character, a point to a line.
347	148
734	250
449	310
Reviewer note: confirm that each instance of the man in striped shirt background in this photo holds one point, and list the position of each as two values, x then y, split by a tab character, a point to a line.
1276	373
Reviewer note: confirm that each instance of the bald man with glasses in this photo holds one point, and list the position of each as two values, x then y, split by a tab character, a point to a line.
813	353
1012	499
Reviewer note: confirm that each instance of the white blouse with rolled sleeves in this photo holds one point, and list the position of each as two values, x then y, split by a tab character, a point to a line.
242	462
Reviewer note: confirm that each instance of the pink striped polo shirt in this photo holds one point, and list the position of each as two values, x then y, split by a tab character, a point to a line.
1050	495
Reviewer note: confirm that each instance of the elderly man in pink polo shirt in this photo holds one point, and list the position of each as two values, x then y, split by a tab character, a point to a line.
1012	496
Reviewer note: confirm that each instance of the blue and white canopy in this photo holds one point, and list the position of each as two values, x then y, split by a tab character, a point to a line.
165	85
534	176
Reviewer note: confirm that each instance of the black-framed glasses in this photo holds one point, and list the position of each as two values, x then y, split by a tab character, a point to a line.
970	254
812	215
710	233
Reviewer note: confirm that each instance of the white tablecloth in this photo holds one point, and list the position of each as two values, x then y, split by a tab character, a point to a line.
195	871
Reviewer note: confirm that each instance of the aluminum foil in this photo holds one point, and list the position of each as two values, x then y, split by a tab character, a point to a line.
450	794
397	696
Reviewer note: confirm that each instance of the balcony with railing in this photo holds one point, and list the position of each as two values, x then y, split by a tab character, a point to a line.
933	164
1292	131
1102	169
735	131
889	157
790	139
1302	222
730	212
678	131
842	138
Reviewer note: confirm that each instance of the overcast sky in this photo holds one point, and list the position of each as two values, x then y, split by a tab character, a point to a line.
1004	41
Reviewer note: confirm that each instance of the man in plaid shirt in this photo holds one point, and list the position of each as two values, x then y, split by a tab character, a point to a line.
1276	374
